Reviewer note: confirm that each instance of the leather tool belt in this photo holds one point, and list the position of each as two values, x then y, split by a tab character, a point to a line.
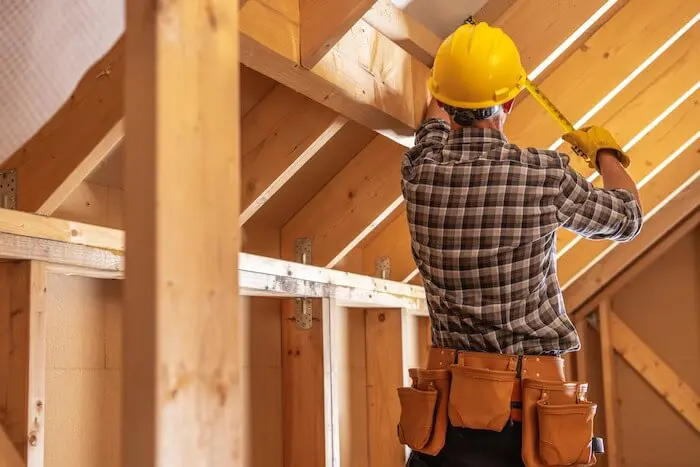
485	391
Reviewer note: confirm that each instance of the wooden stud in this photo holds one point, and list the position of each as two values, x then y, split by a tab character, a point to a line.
609	386
23	358
181	385
52	163
384	376
324	22
655	372
580	357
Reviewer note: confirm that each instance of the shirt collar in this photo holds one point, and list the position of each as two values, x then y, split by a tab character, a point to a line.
470	136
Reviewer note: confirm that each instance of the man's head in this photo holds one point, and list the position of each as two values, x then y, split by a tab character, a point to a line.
476	76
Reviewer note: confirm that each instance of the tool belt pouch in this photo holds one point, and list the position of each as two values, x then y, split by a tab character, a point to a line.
557	424
423	423
480	398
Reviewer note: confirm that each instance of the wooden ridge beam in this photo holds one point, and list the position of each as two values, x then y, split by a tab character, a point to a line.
323	22
73	142
617	257
666	382
364	77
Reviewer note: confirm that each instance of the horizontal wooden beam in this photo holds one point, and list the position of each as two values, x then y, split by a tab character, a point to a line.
323	22
403	30
31	237
364	77
655	372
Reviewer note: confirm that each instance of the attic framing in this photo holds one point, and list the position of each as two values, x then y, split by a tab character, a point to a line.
357	76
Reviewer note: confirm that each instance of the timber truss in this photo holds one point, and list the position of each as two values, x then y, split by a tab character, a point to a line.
330	95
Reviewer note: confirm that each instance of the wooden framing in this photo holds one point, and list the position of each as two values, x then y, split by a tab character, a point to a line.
81	134
321	134
609	386
181	310
655	372
22	358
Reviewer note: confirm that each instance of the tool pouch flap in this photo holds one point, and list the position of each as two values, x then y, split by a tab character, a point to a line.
566	433
480	398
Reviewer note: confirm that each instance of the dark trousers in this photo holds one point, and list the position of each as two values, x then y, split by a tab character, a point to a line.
465	447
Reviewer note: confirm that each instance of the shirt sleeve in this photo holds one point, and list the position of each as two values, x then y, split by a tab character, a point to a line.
597	213
431	134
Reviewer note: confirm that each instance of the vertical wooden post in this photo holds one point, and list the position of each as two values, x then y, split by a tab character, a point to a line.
384	376
23	358
609	390
580	357
181	399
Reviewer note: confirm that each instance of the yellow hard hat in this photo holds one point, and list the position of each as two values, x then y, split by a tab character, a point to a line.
477	66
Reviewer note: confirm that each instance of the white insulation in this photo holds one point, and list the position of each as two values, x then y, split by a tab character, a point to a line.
46	46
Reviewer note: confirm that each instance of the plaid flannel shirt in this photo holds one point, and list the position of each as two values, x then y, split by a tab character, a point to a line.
483	216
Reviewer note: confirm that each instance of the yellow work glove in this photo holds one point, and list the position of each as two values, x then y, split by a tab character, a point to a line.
592	139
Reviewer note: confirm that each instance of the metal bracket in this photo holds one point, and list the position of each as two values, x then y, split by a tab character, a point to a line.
8	189
382	267
303	313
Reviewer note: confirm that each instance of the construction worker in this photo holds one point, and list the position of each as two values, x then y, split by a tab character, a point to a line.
483	215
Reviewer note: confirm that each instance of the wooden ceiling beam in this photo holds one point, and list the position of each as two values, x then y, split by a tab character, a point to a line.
73	142
364	77
323	22
403	30
340	212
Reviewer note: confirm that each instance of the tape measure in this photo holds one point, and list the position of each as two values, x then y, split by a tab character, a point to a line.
547	105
